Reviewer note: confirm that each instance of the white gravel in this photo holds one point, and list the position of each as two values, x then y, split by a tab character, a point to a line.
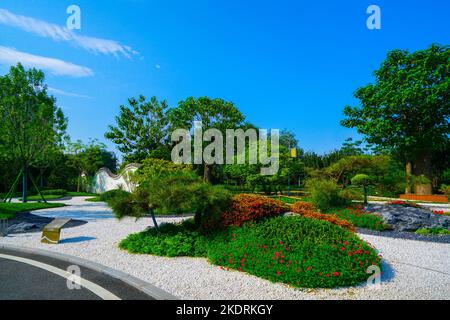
412	269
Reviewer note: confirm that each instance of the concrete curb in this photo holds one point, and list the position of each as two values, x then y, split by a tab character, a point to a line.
139	284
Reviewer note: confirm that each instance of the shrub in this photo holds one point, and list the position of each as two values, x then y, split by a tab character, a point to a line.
56	192
251	207
352	193
359	218
307	210
109	195
294	250
433	231
302	207
445	189
173	193
325	194
171	241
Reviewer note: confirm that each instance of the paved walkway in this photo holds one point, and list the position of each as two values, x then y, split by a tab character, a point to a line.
25	276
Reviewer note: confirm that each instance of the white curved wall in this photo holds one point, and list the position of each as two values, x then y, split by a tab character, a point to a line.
104	180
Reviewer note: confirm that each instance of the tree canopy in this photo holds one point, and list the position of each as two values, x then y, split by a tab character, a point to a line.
142	129
408	106
32	125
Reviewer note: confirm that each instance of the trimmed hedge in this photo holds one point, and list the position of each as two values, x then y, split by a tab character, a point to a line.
57	192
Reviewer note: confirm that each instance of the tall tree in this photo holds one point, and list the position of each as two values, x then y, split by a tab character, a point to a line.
31	123
88	158
213	113
142	129
408	108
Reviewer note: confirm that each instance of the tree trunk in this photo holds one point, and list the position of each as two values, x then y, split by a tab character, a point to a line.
207	173
422	167
198	219
408	177
25	184
41	178
366	202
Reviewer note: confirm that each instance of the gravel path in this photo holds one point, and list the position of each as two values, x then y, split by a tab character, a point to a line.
412	269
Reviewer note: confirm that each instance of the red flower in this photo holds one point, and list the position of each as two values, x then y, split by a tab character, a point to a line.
278	273
309	268
281	242
328	275
336	274
342	249
231	261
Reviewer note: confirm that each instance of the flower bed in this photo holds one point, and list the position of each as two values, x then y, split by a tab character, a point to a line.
307	210
359	218
251	207
295	250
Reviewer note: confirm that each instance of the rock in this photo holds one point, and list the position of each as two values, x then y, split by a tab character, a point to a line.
290	214
404	218
21	227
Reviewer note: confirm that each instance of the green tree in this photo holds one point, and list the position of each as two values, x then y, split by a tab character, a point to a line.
407	108
89	158
363	180
142	130
213	113
32	125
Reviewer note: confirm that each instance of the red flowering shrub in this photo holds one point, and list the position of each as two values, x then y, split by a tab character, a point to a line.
307	210
251	207
302	207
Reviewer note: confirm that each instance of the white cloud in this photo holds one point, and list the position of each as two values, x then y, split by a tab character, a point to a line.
60	33
157	66
55	66
67	94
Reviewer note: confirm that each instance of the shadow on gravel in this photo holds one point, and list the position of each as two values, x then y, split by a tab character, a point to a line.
387	272
77	240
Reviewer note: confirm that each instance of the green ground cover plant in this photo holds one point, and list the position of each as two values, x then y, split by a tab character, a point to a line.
359	218
433	231
9	210
298	251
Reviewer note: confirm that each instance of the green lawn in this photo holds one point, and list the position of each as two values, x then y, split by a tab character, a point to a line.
94	199
47	197
9	210
80	194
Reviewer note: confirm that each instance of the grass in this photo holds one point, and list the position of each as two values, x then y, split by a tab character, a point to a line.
291	200
297	251
81	194
46	197
9	210
94	199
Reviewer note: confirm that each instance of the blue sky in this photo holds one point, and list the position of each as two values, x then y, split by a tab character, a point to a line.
285	64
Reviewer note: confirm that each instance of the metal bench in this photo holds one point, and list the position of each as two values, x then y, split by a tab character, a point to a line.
52	232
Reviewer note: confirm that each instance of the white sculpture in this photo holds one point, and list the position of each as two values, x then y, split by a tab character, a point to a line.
105	180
